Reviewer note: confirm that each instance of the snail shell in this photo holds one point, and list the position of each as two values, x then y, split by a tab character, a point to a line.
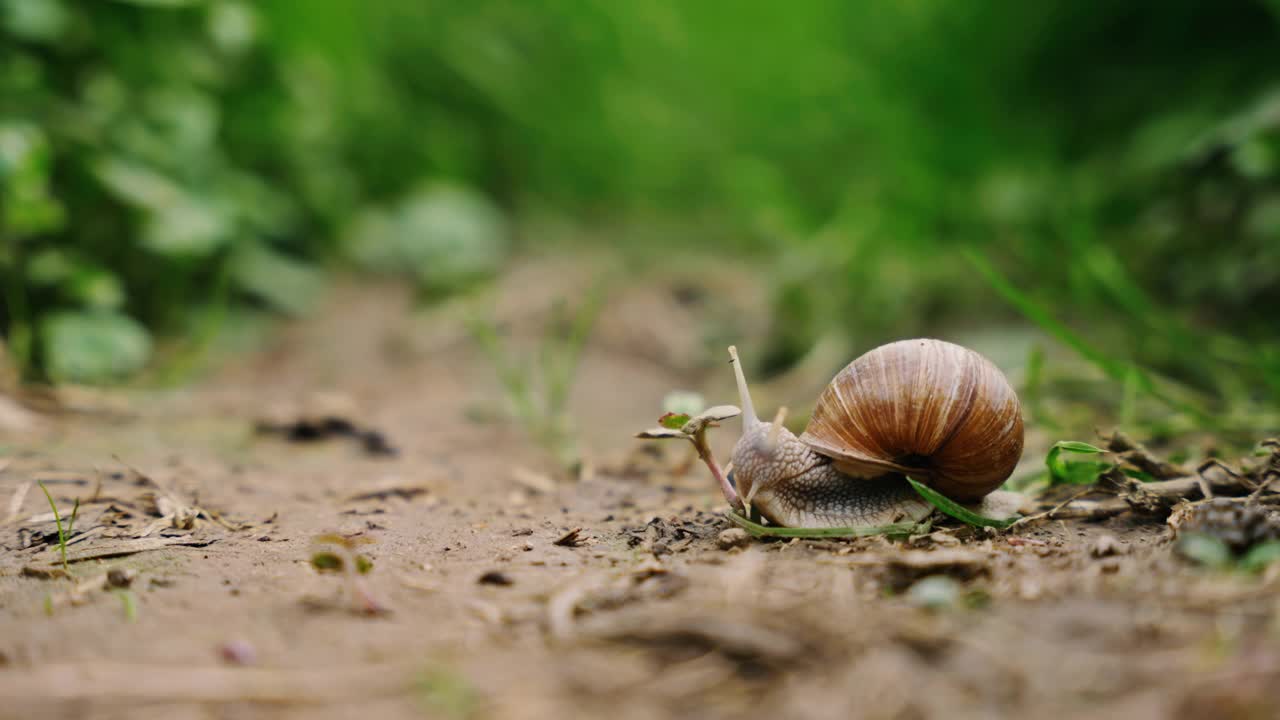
931	409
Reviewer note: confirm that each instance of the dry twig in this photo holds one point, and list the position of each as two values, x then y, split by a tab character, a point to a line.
1052	511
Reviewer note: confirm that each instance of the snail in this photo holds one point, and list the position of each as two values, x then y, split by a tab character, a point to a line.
932	410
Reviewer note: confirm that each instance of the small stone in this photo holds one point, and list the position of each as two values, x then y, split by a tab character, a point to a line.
238	652
120	577
493	577
733	538
935	592
1106	546
1030	589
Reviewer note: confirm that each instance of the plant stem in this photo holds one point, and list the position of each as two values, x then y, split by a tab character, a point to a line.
704	453
75	512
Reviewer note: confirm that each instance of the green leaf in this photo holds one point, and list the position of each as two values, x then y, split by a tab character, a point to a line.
1205	550
83	282
283	283
950	507
1260	556
233	26
674	421
329	561
1074	473
35	20
27	206
188	228
760	531
95	288
446	236
1078	447
93	347
136	184
1138	474
49	267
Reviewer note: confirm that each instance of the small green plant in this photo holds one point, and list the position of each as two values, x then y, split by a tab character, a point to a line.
680	426
1080	472
63	534
445	693
335	553
538	389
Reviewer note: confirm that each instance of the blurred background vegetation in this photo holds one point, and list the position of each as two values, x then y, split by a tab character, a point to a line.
1109	170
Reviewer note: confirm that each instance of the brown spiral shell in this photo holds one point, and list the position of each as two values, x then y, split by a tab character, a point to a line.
931	409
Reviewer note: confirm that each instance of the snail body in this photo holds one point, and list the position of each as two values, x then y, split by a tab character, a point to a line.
929	409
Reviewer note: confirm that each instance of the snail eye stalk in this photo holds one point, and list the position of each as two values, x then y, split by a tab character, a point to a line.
749	419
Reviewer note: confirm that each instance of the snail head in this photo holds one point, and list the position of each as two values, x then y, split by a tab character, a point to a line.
767	451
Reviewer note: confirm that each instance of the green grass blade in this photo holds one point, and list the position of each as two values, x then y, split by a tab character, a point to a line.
1040	316
1119	371
71	524
763	531
947	506
62	535
129	604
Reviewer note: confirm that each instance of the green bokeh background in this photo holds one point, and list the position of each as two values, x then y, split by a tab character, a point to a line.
903	166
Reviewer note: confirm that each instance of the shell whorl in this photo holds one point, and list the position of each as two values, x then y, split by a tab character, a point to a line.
927	408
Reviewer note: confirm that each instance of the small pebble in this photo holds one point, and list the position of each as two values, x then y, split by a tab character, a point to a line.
934	592
493	577
120	577
732	538
1106	546
238	652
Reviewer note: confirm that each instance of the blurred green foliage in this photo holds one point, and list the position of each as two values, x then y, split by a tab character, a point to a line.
1114	164
161	159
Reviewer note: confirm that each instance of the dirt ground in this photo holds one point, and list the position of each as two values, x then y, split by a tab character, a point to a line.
489	607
